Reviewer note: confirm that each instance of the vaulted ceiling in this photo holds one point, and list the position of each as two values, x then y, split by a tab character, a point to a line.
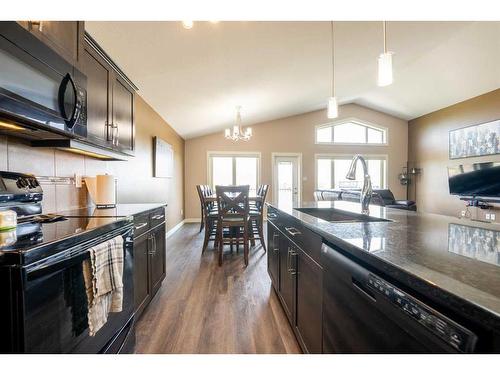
195	78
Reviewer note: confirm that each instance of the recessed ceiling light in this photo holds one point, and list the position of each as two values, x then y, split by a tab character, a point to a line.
187	24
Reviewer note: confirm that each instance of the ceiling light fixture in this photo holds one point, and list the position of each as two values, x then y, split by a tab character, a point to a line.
237	133
333	106
187	24
385	63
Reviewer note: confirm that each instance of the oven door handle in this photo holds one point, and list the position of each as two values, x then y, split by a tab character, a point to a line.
73	255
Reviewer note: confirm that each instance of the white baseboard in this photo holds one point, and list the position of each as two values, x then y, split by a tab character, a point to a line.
175	229
192	220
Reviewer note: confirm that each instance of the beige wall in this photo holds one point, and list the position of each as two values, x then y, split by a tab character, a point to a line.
136	183
296	135
428	149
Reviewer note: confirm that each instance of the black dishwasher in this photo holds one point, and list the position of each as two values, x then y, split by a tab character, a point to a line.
363	313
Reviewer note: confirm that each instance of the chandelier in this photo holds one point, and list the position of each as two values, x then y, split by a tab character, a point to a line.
237	133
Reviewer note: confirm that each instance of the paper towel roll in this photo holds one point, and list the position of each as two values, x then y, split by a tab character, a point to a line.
105	186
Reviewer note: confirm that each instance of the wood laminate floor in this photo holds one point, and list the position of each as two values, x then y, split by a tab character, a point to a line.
204	308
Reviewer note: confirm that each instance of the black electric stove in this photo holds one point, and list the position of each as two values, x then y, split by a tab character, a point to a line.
44	306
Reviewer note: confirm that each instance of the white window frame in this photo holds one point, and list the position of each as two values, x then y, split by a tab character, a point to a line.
233	154
349	157
364	123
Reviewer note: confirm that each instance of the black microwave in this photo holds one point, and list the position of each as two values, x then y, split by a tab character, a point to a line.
38	88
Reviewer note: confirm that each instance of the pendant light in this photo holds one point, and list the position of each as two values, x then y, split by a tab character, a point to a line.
333	107
385	63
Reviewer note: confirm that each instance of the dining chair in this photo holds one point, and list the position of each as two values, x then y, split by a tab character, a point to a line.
233	214
257	217
199	190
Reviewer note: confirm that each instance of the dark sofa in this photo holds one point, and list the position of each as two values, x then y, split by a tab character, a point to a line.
380	197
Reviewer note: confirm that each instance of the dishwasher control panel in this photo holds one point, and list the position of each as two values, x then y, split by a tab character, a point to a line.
454	334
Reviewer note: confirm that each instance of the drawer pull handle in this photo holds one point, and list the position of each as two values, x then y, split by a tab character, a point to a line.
158	217
137	227
272	215
292	231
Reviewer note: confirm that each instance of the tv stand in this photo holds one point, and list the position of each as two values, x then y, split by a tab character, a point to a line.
481	203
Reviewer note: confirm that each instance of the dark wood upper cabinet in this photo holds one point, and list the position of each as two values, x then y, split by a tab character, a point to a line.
110	101
123	114
64	37
98	96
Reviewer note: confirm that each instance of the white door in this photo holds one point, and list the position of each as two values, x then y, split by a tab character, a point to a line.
286	180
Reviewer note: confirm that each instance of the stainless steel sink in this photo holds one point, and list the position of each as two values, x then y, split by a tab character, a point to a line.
334	215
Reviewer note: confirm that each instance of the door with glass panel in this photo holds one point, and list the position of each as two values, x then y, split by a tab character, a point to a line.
286	180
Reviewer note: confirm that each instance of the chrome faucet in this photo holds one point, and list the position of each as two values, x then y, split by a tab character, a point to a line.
366	191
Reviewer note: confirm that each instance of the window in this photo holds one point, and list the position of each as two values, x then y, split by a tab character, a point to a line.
332	169
234	169
351	131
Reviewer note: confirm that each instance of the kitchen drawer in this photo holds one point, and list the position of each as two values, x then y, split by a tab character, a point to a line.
305	238
141	224
157	216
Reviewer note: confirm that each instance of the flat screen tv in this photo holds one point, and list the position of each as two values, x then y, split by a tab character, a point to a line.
475	180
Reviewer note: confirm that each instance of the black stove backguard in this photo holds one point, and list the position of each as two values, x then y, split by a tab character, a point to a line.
21	193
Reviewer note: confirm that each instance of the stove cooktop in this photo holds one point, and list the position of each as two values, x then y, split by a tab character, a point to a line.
34	236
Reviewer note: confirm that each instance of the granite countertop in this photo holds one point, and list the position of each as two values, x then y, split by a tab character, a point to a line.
442	257
121	209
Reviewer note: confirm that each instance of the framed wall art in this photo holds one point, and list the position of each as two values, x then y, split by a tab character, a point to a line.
163	158
475	140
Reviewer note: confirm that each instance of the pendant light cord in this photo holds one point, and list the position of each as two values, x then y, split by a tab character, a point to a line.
385	36
333	60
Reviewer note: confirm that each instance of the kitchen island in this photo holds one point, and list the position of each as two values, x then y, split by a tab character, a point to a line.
444	264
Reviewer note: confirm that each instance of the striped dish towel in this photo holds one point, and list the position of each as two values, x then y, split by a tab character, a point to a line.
103	275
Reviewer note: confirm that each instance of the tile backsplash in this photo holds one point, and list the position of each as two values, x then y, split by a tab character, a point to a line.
17	156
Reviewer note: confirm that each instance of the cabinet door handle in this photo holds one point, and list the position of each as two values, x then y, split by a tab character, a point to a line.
110	131
116	137
39	25
292	231
142	225
153	245
158	217
291	269
275	242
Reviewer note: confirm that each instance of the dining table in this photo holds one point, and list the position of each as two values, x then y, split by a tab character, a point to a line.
251	198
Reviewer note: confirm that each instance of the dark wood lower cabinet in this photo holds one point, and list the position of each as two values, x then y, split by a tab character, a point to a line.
298	281
149	258
142	291
287	278
309	307
157	257
273	253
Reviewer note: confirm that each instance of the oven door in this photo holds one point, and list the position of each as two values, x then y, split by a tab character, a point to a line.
38	87
56	307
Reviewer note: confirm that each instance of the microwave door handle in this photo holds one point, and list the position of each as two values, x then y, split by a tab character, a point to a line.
70	118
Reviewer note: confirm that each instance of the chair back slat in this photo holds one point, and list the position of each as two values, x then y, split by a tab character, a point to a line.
232	201
262	193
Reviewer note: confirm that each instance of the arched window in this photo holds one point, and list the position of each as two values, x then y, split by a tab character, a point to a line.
351	131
